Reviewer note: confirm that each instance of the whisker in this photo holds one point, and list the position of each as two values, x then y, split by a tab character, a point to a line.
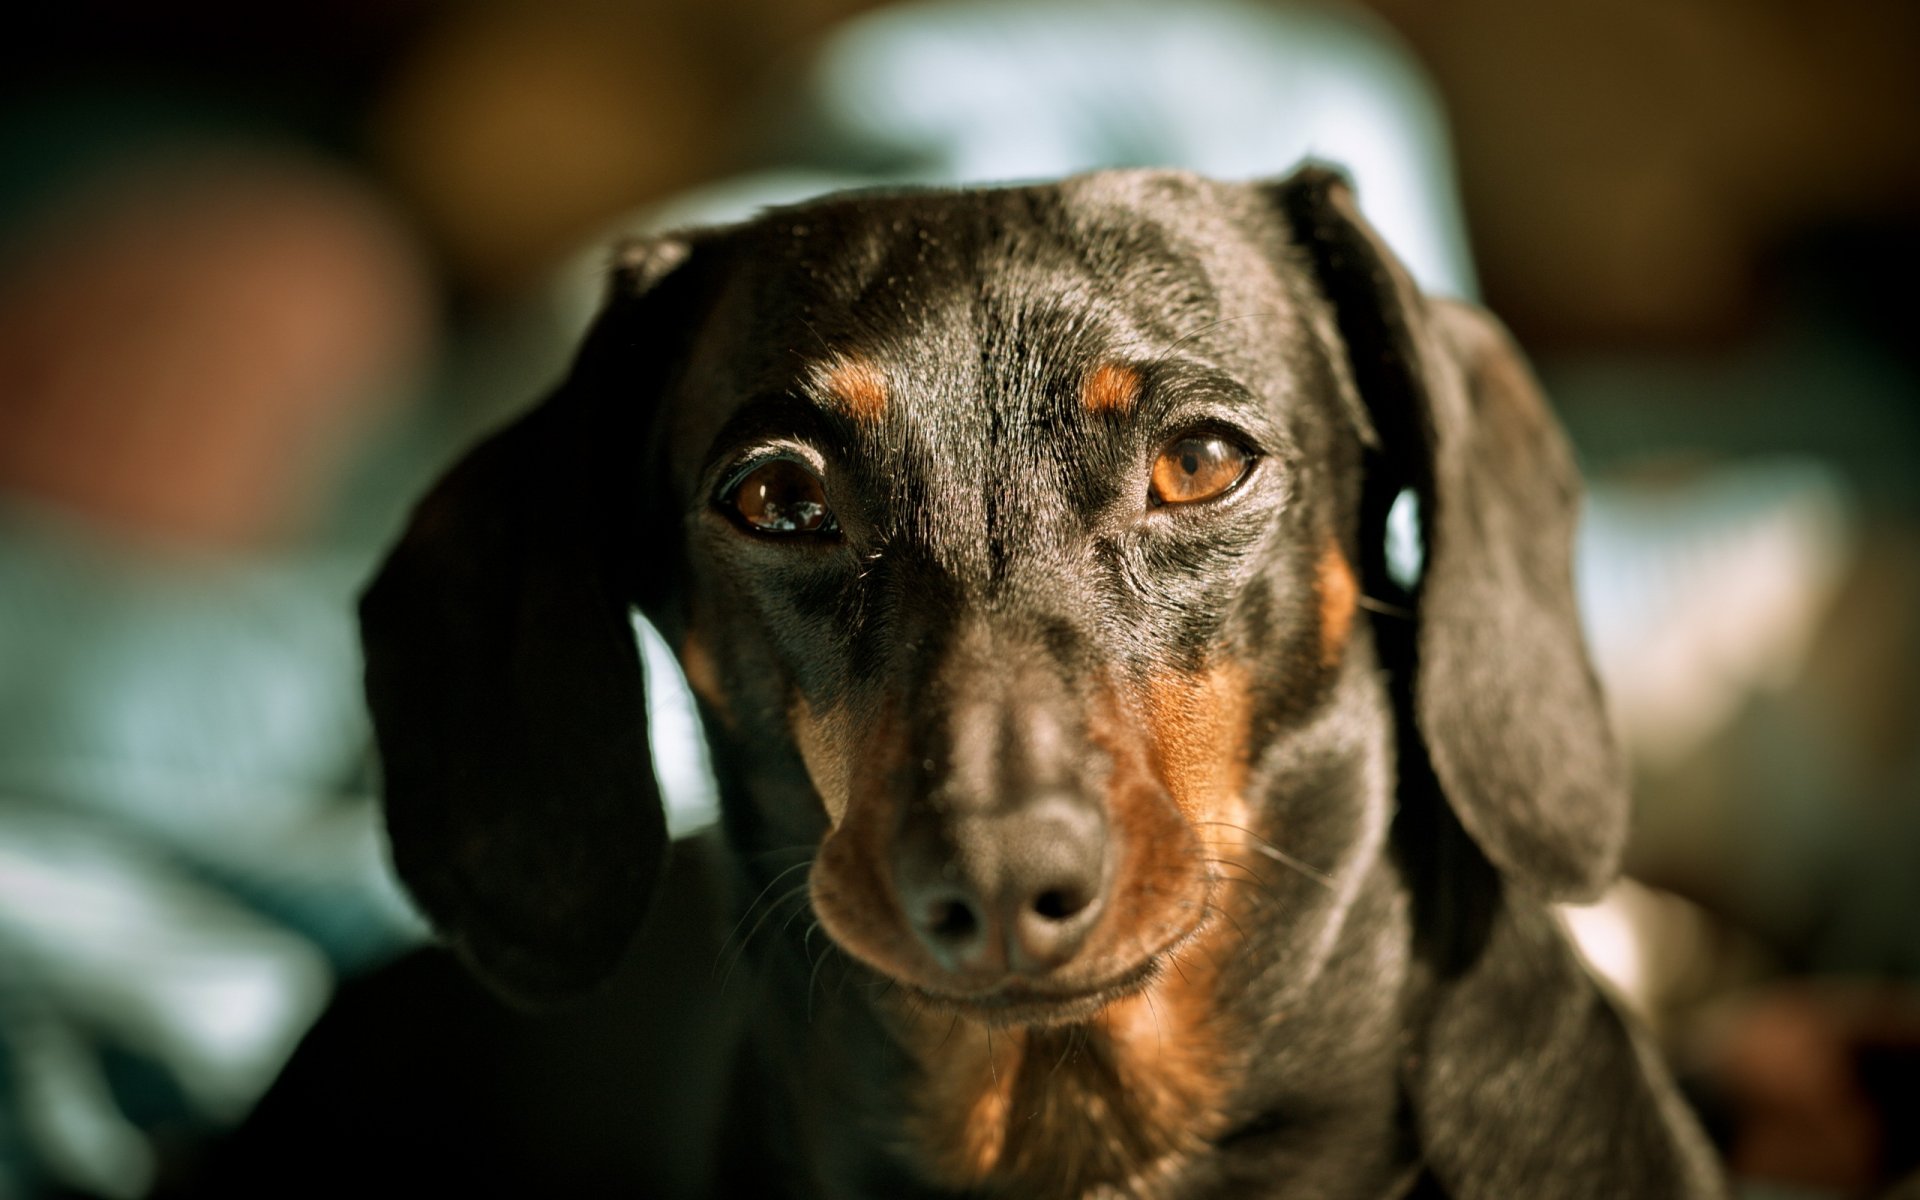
1253	876
1173	958
826	952
1280	856
805	905
1237	926
1066	1045
1201	945
726	941
740	951
1288	860
1159	1032
1383	608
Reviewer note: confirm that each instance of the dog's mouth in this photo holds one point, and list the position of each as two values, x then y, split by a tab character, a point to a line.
1034	1003
1026	1003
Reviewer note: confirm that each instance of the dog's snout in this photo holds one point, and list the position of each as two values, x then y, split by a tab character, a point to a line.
1015	892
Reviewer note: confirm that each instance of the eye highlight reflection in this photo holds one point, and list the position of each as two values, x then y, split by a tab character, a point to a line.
782	498
1196	468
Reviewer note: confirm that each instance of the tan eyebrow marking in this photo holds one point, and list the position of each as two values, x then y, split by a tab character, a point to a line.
1110	388
859	386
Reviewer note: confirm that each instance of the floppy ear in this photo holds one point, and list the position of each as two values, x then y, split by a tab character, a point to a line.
1503	692
504	681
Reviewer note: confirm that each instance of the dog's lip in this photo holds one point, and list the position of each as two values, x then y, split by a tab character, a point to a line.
1018	1000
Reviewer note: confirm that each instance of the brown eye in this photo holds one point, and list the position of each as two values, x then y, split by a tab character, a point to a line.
1198	468
782	496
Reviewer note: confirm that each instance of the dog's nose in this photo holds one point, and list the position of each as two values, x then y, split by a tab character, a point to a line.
1014	892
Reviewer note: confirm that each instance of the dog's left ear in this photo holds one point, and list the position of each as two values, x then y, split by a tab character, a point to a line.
1503	692
503	677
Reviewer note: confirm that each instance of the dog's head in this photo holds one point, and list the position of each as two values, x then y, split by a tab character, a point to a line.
1016	543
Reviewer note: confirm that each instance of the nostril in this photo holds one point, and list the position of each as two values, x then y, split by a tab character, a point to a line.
1050	926
1060	904
952	921
985	894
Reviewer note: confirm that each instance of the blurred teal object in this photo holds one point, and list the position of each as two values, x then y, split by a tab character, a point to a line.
1697	593
950	91
189	846
953	92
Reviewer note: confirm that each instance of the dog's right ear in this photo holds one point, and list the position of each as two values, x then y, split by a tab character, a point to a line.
1503	692
502	673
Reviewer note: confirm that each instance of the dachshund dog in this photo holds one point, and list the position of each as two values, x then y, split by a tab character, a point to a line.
1025	549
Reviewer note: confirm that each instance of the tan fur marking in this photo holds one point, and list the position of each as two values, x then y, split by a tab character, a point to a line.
1200	726
960	1118
823	739
703	676
1124	1099
1339	593
1110	388
859	386
1044	1113
1173	1049
849	884
1161	873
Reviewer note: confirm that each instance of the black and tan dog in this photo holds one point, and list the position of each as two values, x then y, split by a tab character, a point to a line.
1024	548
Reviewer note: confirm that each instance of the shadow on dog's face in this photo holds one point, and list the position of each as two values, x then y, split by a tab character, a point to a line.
1013	541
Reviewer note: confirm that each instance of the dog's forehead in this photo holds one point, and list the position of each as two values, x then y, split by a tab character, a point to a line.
948	298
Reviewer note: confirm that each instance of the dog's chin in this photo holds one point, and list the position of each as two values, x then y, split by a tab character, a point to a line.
1026	1004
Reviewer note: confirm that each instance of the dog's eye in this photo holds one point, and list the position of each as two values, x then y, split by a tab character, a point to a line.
1198	468
782	496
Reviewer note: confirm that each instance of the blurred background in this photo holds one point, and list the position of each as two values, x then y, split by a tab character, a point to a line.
265	268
